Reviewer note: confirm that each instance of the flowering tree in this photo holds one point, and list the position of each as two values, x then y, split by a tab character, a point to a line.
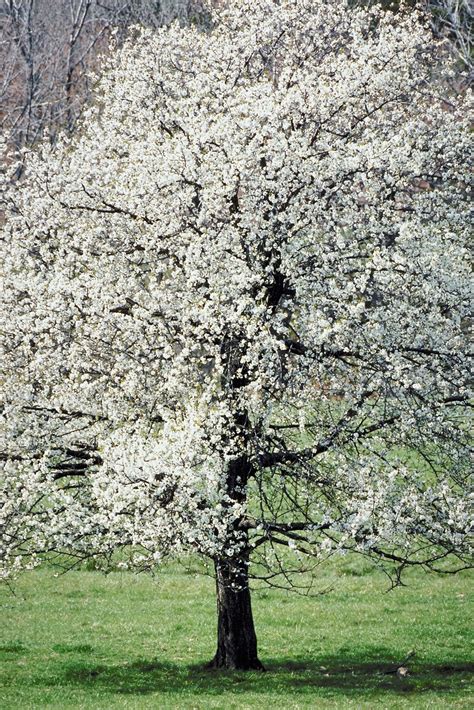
234	308
452	19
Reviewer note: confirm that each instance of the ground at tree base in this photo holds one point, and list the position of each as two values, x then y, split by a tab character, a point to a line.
125	641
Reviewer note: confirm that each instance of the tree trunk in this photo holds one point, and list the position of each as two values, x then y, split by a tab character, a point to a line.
236	638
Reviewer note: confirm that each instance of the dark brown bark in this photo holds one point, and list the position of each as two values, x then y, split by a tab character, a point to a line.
236	638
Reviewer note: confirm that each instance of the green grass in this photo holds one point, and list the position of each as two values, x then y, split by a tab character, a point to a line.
123	641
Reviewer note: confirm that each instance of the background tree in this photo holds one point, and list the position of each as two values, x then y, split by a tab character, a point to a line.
455	19
49	49
234	307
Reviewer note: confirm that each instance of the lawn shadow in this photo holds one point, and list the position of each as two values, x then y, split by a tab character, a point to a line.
350	675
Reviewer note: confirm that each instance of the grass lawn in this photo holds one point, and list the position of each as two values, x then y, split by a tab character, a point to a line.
84	640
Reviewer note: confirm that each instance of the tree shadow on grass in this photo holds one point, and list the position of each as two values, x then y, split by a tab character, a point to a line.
346	674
